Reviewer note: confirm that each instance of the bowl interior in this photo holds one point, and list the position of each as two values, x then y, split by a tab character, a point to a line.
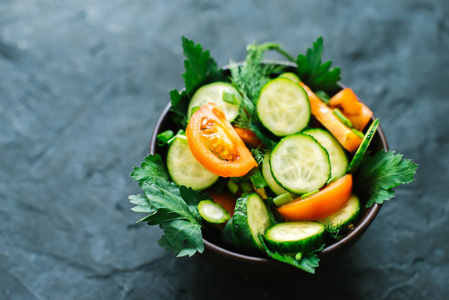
264	267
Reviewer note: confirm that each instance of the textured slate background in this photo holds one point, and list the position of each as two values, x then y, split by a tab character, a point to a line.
83	82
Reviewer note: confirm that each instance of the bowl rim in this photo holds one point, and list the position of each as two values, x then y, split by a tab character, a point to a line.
347	240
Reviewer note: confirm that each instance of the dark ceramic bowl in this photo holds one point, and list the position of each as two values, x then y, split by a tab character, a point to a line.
251	266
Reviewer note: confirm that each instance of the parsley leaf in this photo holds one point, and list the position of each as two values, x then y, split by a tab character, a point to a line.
308	261
314	74
183	237
171	207
151	167
379	174
200	68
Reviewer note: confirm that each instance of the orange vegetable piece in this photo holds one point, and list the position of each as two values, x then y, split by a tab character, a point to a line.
248	137
327	201
357	112
215	144
226	200
323	113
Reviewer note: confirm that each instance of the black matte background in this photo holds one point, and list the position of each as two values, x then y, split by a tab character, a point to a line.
83	82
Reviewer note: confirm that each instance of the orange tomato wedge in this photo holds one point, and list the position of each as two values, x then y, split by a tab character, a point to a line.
323	113
226	200
357	112
215	144
317	206
248	137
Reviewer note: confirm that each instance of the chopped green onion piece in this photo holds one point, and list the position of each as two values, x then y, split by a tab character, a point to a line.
282	199
342	117
246	186
232	186
258	180
332	179
164	137
230	98
180	134
298	256
323	96
359	133
309	194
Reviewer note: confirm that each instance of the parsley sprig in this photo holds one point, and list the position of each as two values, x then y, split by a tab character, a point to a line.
313	73
380	173
172	207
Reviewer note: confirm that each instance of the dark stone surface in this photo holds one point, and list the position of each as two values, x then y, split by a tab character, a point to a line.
83	82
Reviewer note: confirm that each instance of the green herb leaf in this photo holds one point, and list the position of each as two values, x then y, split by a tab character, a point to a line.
183	237
179	106
152	167
314	74
379	174
307	261
199	66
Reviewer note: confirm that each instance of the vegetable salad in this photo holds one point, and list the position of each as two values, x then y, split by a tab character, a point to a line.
265	159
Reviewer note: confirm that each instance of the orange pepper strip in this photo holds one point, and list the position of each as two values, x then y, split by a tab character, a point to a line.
248	137
327	201
239	159
323	113
357	112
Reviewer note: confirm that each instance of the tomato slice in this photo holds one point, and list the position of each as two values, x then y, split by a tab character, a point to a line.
215	144
320	205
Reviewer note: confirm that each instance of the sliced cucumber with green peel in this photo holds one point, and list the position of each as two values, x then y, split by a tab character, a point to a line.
346	216
216	93
184	169
292	76
283	107
300	164
337	156
251	218
293	237
266	172
360	153
213	212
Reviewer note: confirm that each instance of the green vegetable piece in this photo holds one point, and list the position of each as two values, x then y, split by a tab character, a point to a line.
379	174
342	117
163	137
232	186
230	98
293	237
323	96
246	186
251	218
258	180
213	212
282	199
360	153
291	76
309	194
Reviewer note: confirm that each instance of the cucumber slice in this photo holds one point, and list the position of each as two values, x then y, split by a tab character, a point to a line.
346	216
184	169
251	218
293	237
360	153
213	212
337	156
291	76
266	172
226	236
283	107
215	92
300	164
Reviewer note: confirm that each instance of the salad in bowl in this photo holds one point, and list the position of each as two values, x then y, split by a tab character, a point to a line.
265	161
